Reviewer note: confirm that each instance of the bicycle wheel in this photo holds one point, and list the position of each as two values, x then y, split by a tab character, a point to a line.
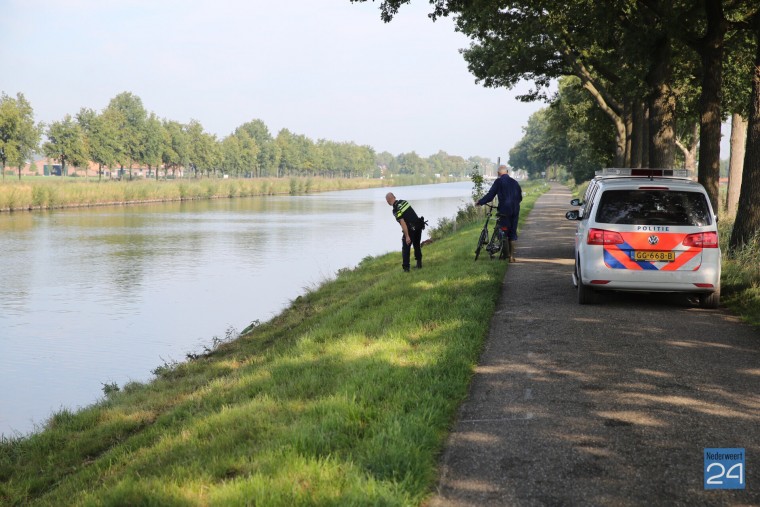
481	241
494	246
505	253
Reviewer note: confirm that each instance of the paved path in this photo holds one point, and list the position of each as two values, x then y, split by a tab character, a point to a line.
610	404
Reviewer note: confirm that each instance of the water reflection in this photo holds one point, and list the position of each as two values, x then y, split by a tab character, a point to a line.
100	295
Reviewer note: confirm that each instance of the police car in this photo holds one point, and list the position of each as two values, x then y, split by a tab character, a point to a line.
649	230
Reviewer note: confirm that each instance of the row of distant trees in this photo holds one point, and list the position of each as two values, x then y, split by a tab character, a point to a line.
125	135
663	74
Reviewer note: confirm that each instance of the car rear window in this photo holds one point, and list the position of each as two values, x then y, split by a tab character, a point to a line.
659	207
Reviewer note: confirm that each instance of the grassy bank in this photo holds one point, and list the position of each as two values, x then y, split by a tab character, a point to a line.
740	276
56	192
344	398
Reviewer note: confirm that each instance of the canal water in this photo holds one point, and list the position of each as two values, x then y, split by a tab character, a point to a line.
105	295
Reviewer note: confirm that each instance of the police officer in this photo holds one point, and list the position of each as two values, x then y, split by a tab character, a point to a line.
510	197
411	225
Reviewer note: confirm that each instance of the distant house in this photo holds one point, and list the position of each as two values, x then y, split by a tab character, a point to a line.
48	167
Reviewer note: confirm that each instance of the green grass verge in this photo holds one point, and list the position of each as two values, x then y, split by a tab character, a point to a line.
740	276
343	399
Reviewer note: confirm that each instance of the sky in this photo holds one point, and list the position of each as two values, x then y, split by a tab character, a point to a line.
327	69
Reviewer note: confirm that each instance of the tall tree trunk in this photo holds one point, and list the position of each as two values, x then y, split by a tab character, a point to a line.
747	222
662	107
711	51
628	119
736	162
690	151
637	135
645	139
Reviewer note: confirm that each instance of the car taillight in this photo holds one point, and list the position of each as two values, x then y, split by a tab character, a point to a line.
702	240
602	237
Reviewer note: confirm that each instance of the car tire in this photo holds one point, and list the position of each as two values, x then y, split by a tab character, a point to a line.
586	295
711	300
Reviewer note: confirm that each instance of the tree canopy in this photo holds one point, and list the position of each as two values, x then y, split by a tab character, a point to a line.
666	73
19	135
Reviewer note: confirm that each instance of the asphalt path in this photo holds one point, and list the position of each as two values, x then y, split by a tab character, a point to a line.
607	404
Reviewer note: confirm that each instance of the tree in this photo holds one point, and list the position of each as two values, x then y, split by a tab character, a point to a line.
202	151
541	40
267	159
533	152
176	147
250	152
667	43
101	137
736	99
386	161
706	27
66	143
19	135
412	163
291	156
152	145
577	134
232	154
747	223
736	162
129	116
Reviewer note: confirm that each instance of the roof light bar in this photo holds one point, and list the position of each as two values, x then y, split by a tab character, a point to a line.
646	172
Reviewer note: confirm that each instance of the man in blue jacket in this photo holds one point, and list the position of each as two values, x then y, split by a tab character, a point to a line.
510	197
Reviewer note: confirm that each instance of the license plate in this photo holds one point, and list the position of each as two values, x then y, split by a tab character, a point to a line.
653	256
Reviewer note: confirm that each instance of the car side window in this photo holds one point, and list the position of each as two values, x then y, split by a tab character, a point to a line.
590	202
589	191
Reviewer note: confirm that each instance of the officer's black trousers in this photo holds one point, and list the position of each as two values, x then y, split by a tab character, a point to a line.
416	235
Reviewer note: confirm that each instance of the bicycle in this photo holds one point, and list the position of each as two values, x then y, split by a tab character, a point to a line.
498	242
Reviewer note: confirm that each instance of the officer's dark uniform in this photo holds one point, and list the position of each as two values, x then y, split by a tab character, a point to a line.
403	210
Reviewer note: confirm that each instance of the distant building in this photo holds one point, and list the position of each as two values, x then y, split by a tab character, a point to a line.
49	167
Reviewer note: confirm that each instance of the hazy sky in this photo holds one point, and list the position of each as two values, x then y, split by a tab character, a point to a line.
327	69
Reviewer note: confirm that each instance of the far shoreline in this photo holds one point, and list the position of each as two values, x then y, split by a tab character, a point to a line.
45	195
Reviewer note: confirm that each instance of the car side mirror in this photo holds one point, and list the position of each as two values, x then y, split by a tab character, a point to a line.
573	215
575	202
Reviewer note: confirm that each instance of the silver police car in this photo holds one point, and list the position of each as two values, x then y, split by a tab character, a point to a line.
647	230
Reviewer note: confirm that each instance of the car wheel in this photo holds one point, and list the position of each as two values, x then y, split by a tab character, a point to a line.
586	295
711	300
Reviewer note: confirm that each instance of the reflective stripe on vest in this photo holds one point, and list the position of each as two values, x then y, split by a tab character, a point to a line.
403	206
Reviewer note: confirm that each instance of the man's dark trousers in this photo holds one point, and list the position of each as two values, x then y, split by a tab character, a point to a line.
416	235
